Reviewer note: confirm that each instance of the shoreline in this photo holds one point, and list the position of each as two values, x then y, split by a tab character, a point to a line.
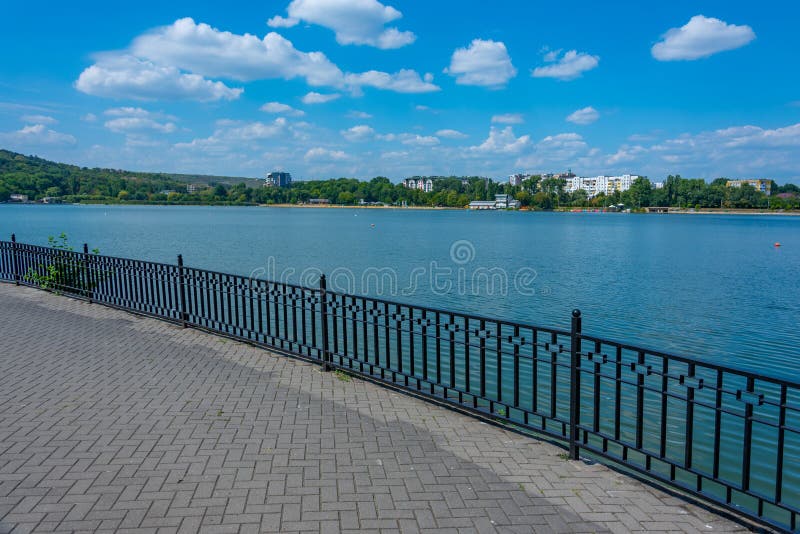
672	211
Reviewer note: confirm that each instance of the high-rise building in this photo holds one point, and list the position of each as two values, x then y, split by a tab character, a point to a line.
278	179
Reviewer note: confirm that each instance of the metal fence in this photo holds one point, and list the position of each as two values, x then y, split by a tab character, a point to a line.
726	435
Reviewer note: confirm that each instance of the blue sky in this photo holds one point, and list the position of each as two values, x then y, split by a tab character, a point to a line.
328	88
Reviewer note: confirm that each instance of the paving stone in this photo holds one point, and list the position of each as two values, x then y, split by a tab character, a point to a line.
115	422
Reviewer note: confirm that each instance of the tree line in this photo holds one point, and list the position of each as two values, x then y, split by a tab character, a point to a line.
38	178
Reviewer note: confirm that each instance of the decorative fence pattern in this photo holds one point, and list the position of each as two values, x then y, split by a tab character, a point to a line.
725	435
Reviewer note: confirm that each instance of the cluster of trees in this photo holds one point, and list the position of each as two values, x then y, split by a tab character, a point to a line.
38	178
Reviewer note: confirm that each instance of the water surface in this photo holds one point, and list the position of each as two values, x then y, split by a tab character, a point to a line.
710	286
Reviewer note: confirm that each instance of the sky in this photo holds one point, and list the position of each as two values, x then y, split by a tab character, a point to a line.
364	88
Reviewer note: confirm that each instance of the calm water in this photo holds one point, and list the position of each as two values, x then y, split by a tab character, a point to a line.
709	286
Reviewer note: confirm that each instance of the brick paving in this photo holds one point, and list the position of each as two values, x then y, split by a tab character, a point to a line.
113	422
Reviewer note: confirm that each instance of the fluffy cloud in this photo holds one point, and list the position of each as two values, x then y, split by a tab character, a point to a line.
134	119
128	124
319	98
125	76
559	150
567	67
701	37
362	132
355	114
178	61
403	81
39	119
128	111
36	135
319	154
587	115
419	140
360	22
508	118
484	62
230	135
502	142
201	49
282	109
451	134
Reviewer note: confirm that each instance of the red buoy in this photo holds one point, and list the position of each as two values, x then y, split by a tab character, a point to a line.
777	244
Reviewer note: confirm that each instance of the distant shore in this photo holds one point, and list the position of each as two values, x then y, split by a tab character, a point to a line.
671	211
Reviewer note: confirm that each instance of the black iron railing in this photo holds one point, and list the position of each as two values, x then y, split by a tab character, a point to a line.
726	435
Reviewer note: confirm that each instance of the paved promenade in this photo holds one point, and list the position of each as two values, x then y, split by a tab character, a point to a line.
112	422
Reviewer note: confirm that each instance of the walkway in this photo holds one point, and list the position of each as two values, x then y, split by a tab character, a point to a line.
113	422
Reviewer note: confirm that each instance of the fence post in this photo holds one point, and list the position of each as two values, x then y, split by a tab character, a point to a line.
14	267
182	289
323	294
574	384
86	276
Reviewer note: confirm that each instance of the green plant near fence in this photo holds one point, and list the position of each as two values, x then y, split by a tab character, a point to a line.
63	271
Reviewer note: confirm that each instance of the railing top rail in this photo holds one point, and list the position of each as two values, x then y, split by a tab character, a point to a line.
692	359
464	315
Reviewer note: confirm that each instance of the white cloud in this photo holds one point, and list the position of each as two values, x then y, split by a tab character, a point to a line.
178	61
451	134
355	114
570	66
587	115
360	22
89	117
128	124
419	140
130	111
508	118
230	135
319	154
282	109
403	81
318	98
36	135
124	76
362	132
204	50
557	151
502	141
701	37
39	119
484	62
282	22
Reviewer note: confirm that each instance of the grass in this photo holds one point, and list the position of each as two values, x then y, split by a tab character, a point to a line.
341	375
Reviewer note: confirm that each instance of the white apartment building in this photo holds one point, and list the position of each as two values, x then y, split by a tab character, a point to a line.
595	185
423	184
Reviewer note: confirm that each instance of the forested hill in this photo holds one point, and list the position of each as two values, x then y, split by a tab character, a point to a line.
37	177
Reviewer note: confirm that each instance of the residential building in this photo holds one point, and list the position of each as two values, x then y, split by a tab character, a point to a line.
765	186
423	184
517	179
318	201
594	185
278	179
193	188
16	197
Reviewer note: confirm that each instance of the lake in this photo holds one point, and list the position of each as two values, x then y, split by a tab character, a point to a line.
709	286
